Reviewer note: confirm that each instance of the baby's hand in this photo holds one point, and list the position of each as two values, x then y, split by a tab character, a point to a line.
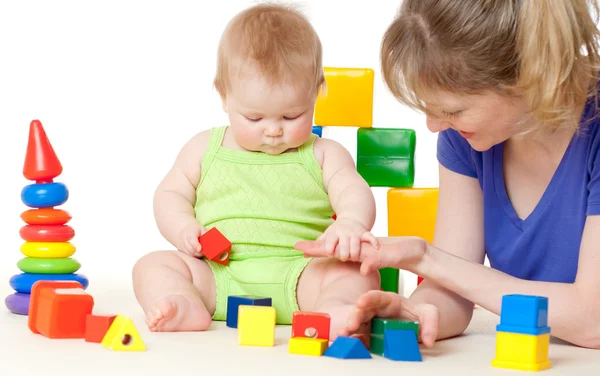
346	234
187	240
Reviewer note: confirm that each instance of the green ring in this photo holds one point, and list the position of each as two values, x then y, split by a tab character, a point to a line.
37	265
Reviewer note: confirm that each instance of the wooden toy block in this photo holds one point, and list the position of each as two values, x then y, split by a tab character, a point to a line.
317	130
386	156
522	351
380	325
58	309
524	314
412	212
234	302
348	99
399	344
376	344
307	346
311	325
96	327
389	279
215	246
123	336
256	326
365	339
348	348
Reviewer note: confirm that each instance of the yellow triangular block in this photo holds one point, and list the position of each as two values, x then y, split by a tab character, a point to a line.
123	336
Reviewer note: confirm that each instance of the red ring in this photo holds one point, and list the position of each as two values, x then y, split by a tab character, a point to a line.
47	233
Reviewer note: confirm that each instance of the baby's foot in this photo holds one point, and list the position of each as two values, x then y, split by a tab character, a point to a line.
178	313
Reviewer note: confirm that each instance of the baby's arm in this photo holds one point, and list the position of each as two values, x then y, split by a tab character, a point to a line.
175	197
351	198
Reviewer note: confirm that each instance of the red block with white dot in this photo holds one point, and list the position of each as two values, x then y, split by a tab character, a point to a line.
215	246
311	325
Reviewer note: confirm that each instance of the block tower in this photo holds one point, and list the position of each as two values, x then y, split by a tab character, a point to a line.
385	156
523	335
47	248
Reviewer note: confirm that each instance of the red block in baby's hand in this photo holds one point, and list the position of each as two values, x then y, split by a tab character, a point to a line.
215	246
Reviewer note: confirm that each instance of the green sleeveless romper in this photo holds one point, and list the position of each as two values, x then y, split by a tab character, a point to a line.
263	204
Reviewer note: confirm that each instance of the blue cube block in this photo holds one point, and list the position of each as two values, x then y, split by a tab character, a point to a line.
317	130
525	314
401	344
233	303
348	348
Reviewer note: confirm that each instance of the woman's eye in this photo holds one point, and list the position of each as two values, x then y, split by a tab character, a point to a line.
451	114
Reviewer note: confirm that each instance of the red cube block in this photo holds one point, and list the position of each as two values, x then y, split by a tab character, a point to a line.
96	327
215	246
311	325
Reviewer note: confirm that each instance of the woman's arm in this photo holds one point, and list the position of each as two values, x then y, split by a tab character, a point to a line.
458	231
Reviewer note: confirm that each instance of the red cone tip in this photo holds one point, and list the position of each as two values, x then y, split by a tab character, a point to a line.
41	163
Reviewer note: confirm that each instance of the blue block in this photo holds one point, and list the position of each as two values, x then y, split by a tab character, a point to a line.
524	314
400	344
317	130
348	348
233	303
22	282
44	195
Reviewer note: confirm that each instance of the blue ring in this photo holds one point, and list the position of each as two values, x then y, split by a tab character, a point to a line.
44	195
22	282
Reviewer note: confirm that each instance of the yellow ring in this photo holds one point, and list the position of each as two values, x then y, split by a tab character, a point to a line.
48	249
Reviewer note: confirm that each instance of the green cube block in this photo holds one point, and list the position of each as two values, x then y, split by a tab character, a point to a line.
380	325
376	345
389	279
386	156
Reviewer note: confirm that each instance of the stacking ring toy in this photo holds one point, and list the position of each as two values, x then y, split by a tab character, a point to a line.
45	216
47	233
48	249
22	282
48	265
18	303
44	195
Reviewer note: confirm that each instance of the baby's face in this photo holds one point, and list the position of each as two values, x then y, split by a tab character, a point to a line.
269	118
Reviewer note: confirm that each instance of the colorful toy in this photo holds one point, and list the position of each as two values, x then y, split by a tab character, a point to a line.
390	279
215	246
47	236
317	130
59	309
523	335
307	346
348	100
311	325
96	327
123	336
256	326
234	302
421	203
348	348
401	345
379	326
386	156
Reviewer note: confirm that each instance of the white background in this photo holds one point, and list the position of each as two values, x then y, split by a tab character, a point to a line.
120	86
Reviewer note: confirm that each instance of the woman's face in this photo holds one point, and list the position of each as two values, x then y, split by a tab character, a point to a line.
484	120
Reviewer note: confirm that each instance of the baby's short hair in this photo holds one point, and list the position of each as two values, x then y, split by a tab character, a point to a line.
278	41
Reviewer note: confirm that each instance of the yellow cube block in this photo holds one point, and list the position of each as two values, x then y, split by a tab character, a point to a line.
522	351
308	346
412	212
348	100
256	325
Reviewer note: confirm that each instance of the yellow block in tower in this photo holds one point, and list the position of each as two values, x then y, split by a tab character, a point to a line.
348	99
256	325
412	212
522	351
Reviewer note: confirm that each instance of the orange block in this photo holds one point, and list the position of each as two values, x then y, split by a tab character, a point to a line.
58	309
96	327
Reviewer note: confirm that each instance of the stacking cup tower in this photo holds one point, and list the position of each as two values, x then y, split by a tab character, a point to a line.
47	248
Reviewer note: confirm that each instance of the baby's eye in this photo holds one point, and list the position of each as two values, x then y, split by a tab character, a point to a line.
253	119
291	117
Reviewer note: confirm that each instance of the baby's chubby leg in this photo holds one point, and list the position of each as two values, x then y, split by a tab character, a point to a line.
175	290
331	286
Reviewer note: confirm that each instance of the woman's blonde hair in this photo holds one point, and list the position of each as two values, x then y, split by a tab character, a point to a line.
277	40
544	50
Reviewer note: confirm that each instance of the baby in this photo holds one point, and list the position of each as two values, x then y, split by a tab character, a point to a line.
266	182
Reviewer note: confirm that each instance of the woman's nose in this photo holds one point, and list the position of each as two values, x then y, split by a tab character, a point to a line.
437	125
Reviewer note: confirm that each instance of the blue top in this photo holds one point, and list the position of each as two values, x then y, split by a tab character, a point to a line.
544	246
